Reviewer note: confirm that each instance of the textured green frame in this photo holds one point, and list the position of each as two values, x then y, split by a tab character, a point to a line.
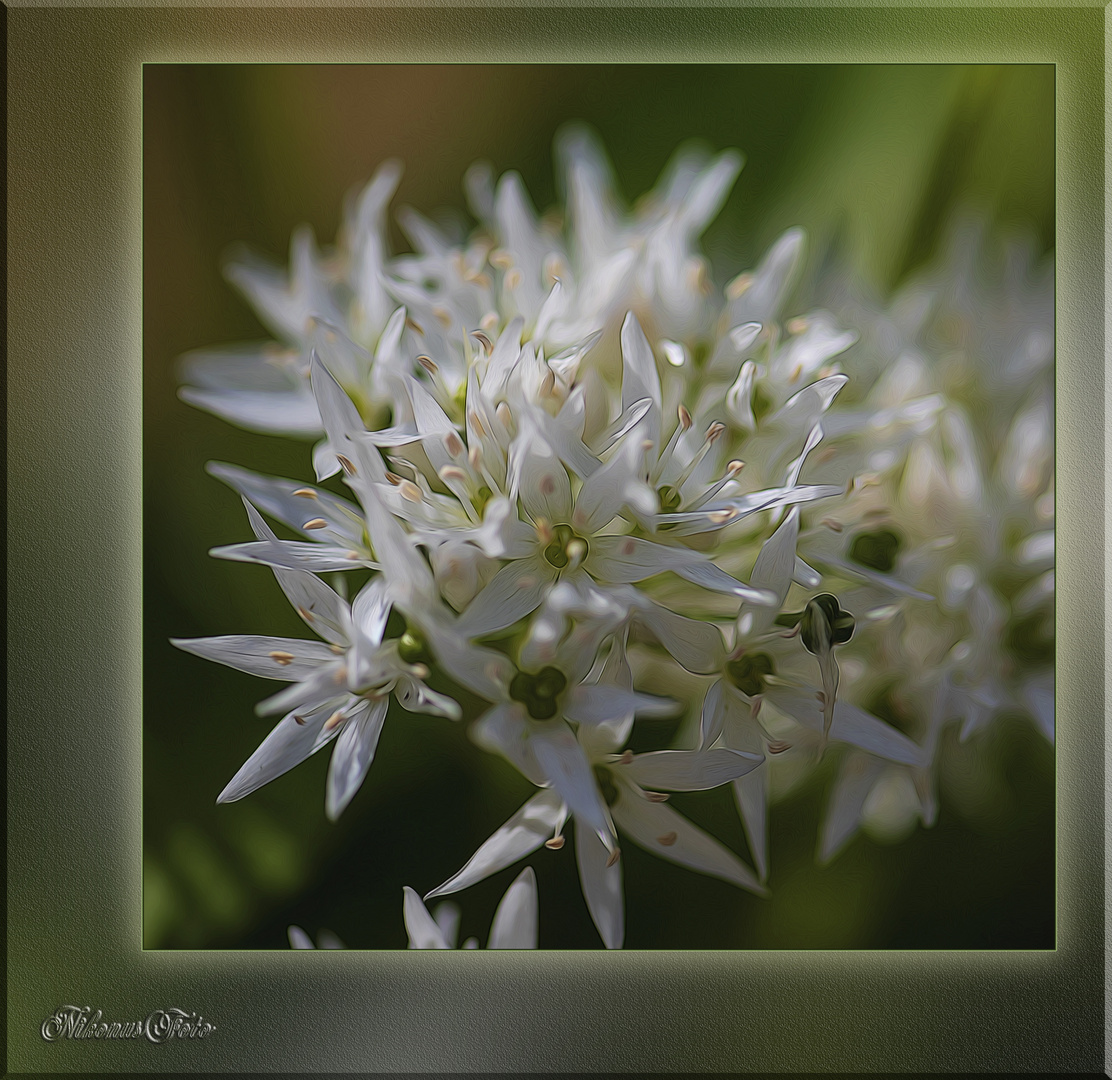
74	904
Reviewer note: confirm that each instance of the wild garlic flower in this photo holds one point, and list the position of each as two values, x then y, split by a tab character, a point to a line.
339	688
564	450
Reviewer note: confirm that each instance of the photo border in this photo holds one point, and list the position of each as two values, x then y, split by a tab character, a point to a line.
74	584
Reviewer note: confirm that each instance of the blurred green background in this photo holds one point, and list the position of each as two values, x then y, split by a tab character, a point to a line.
879	157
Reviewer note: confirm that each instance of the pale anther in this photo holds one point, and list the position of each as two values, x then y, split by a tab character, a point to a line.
685	418
281	658
626	758
668	839
615	855
335	720
410	491
415	326
428	364
315	523
306	493
453	444
348	467
554	843
656	796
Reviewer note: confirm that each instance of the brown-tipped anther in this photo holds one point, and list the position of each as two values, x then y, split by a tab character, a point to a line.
475	456
755	708
626	758
306	614
335	720
394	478
735	466
615	855
453	444
555	843
300	720
778	746
452	472
410	491
315	523
831	524
738	287
483	340
656	796
305	493
346	464
415	326
685	418
668	839
282	659
428	363
714	431
548	485
476	422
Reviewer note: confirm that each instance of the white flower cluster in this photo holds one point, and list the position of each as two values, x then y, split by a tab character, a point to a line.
586	487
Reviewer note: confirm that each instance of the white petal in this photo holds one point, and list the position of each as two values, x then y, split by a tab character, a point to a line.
416	697
773	571
859	728
515	591
446	917
515	921
566	766
602	886
595	704
299	939
292	412
370	610
694	644
320	607
610	489
688	770
538	476
420	926
640	378
713	714
751	791
353	754
275	496
526	831
289	744
847	799
481	670
658	828
288	659
502	730
295	555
